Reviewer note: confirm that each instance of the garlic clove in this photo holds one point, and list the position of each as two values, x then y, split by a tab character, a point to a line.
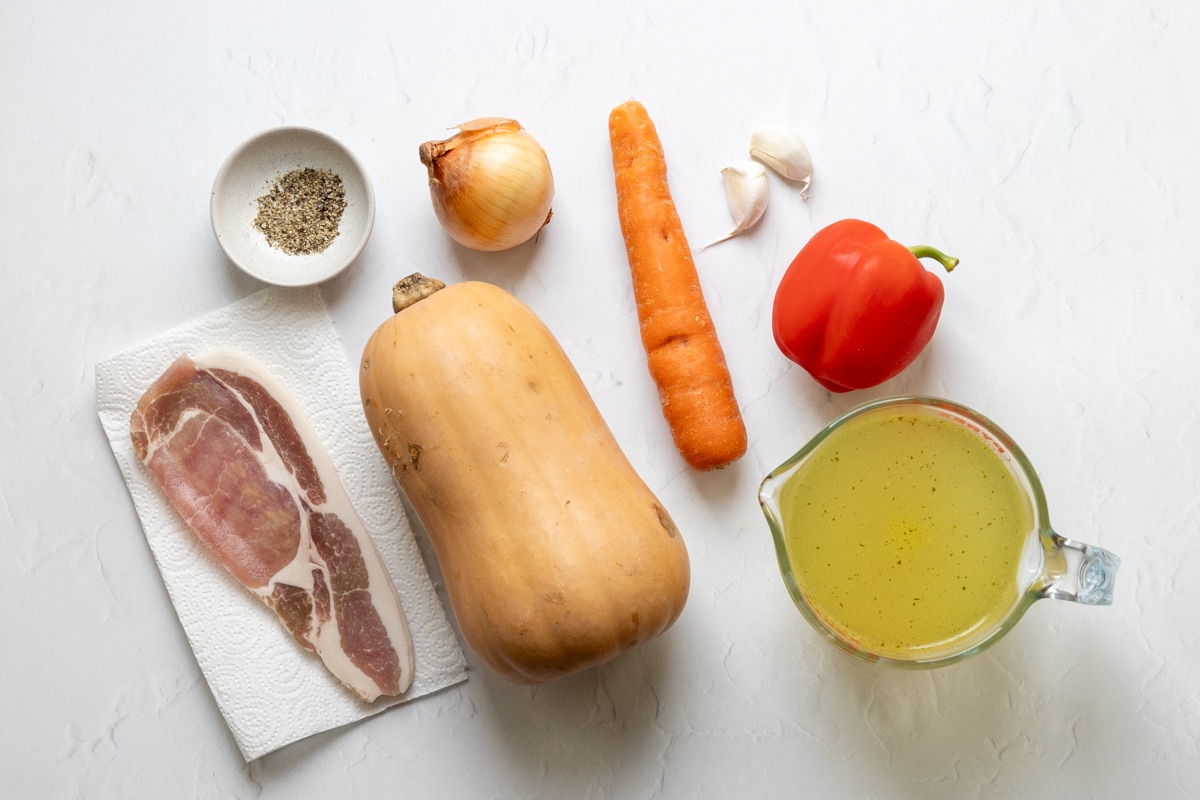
785	152
747	191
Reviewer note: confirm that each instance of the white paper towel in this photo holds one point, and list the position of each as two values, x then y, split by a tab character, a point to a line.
270	690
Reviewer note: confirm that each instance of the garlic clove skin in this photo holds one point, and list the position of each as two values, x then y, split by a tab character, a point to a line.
747	191
785	152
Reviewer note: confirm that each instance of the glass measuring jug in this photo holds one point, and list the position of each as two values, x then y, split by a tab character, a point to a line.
913	531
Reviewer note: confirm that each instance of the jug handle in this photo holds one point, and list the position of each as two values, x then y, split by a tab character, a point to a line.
1080	573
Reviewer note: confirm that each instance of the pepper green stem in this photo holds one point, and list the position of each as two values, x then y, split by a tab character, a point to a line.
925	251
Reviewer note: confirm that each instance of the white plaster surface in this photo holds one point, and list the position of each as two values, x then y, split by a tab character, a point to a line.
1052	147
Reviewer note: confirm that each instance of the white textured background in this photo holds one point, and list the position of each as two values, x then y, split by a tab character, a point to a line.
1051	147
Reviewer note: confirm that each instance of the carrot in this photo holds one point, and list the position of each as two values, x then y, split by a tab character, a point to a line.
685	358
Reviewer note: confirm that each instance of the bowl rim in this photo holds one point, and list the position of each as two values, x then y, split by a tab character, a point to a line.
227	169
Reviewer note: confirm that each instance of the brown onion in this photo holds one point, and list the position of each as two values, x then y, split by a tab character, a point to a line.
491	184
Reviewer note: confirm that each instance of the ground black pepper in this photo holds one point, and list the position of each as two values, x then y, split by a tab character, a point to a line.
301	213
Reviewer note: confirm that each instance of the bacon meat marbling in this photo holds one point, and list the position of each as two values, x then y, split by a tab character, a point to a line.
241	465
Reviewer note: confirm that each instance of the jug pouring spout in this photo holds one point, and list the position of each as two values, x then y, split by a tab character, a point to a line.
1078	572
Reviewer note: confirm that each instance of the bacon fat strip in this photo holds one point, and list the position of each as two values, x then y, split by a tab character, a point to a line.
242	466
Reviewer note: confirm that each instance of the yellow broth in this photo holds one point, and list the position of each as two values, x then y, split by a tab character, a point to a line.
905	532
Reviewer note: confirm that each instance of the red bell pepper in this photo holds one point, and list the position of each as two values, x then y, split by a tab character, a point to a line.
855	308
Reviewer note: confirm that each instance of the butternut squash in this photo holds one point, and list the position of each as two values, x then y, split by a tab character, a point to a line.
556	556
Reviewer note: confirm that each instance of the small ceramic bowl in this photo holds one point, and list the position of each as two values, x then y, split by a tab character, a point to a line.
252	170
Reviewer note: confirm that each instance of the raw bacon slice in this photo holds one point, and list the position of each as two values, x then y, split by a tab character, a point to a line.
240	464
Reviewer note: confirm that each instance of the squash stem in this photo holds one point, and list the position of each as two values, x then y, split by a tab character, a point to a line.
413	289
925	251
